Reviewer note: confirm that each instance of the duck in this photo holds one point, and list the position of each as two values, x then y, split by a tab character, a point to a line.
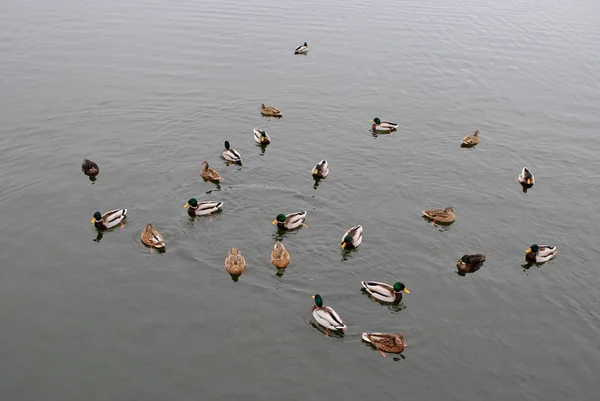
202	208
526	178
444	216
231	155
352	238
152	238
384	342
302	49
89	168
291	221
326	316
235	264
540	253
109	219
280	257
209	174
384	292
470	140
270	111
383	126
470	263
261	137
321	170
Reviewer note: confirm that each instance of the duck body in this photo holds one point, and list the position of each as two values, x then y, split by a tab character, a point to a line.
470	140
302	49
261	137
384	292
385	342
526	178
540	253
89	168
231	155
321	170
203	208
290	221
109	219
235	264
280	257
352	238
152	238
209	174
270	111
383	126
470	263
444	216
326	316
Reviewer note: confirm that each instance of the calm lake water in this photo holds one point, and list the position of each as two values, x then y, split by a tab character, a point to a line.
150	89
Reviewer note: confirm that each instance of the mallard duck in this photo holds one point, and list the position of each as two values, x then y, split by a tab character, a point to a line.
231	155
384	342
302	49
209	174
270	111
526	178
280	257
321	170
352	238
152	238
470	263
291	221
89	168
444	216
109	219
235	264
384	292
470	140
326	316
261	137
540	253
383	126
202	208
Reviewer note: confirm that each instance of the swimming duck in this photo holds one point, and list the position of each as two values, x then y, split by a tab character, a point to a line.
209	174
321	170
202	208
261	137
231	155
280	257
152	238
352	238
326	316
444	216
270	111
383	126
384	342
470	263
89	168
470	140
384	292
540	253
235	264
526	178
302	49
291	221
109	219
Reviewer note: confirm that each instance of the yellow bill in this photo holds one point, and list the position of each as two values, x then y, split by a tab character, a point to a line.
406	290
528	251
186	205
372	121
93	221
528	181
313	297
315	171
274	221
344	245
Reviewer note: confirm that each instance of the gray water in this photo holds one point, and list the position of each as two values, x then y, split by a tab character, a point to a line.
150	89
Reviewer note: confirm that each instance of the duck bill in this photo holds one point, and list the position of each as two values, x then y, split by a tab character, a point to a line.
186	205
529	181
528	251
406	290
313	297
372	121
315	172
93	221
344	245
274	221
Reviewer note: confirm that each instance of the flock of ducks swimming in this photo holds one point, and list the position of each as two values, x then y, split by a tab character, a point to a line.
325	316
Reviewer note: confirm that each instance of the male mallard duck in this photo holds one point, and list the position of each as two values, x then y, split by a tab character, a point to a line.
540	253
291	221
326	316
202	208
235	264
352	238
231	155
444	216
526	178
302	49
261	137
89	168
152	238
321	170
470	263
470	140
109	219
270	111
209	174
280	257
383	342
384	292
383	126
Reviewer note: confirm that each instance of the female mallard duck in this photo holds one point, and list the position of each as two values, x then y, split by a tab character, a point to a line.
470	140
444	216
321	170
302	49
352	238
470	263
235	264
209	174
261	137
152	238
383	126
109	219
202	208
526	178
384	292
280	257
231	155
89	168
326	316
540	253
383	342
270	111
291	221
